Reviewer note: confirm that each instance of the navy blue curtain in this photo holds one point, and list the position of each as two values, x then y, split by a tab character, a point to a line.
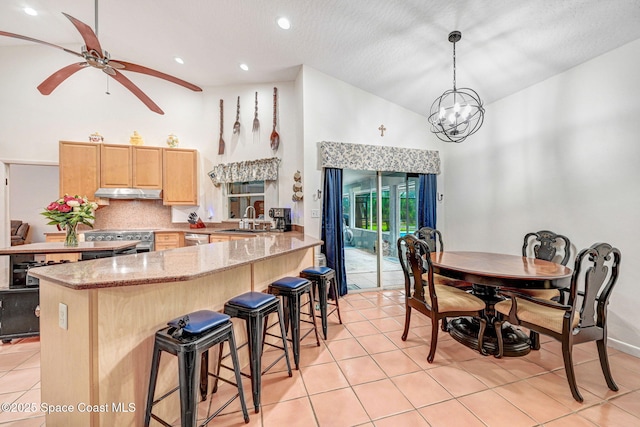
333	247
427	201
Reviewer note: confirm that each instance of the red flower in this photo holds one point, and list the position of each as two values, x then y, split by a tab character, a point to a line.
64	208
53	206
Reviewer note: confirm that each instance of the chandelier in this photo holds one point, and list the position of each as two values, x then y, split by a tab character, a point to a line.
457	113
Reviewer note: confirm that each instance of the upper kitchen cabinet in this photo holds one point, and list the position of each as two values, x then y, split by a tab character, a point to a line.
79	168
115	166
147	167
180	177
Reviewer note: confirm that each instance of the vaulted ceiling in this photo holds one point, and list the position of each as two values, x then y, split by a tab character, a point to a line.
396	49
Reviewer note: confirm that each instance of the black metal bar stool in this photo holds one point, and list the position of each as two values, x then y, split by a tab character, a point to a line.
292	289
189	338
324	280
254	308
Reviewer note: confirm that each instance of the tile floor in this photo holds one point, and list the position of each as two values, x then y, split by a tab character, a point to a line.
365	375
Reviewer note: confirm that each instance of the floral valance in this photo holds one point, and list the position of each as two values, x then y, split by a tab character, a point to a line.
342	155
250	170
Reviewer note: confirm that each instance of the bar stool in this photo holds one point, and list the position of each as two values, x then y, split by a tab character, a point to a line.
254	308
189	338
292	289
324	280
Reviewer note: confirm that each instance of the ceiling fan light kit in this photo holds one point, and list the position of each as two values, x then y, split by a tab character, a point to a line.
457	113
94	56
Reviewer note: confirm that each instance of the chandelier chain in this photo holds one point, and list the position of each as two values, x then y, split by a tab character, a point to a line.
454	66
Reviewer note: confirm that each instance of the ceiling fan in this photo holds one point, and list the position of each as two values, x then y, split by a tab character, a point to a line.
95	57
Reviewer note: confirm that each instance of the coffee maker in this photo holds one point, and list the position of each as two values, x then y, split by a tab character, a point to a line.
282	218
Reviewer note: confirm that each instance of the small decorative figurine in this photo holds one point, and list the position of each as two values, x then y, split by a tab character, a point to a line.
136	139
96	137
172	141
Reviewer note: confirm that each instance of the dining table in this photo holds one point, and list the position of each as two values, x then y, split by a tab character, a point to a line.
489	272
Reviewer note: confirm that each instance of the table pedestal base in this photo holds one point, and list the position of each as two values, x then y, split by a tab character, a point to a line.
465	331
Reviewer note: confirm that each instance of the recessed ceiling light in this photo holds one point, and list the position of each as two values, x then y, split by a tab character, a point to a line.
179	60
284	23
30	11
244	67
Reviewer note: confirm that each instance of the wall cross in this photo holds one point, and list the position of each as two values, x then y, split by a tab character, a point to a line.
382	129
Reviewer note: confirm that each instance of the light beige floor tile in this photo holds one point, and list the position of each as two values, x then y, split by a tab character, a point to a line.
421	389
395	363
456	380
450	414
359	370
411	418
382	399
376	343
533	402
344	349
338	408
608	414
321	378
280	414
496	411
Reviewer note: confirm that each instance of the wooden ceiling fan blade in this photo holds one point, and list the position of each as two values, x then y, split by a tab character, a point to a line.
29	39
137	92
128	66
54	80
89	37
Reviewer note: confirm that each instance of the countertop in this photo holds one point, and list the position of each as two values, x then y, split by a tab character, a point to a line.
59	247
173	265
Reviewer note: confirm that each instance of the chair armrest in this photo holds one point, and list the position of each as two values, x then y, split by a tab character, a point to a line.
551	304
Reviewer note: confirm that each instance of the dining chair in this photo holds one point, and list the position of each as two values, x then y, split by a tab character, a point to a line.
433	239
433	300
582	319
548	246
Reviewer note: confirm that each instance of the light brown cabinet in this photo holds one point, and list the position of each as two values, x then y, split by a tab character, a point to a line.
79	168
147	167
180	177
85	167
168	240
115	166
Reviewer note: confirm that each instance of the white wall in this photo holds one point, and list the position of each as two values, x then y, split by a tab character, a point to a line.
31	197
32	124
336	111
561	155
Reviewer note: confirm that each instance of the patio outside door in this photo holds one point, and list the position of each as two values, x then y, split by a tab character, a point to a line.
377	209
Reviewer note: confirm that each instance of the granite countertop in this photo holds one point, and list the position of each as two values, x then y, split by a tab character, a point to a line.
174	265
59	247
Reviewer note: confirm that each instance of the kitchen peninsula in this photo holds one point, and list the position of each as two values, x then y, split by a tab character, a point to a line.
116	305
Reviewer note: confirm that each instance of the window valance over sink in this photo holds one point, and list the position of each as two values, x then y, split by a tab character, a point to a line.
342	155
249	170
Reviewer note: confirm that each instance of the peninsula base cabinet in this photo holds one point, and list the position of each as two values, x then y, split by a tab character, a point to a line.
103	358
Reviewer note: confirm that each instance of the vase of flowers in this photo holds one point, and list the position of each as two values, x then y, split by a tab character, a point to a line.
68	212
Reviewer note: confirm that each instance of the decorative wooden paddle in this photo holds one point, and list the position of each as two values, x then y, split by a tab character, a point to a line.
221	141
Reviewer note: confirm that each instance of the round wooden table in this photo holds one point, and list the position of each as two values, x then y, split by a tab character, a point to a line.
488	272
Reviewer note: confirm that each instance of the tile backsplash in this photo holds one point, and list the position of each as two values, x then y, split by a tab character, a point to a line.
132	214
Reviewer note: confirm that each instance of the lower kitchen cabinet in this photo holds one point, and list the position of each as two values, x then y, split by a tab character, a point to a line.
59	237
168	240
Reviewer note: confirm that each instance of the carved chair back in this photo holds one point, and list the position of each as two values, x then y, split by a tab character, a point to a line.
432	237
548	246
590	295
414	256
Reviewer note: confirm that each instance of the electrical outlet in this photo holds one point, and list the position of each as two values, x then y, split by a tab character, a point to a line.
315	213
63	316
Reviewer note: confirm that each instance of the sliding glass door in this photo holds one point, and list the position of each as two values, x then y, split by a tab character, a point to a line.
378	207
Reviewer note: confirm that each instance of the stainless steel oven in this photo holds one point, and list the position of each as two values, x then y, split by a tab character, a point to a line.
146	237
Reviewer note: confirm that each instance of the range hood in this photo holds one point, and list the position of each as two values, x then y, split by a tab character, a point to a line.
128	193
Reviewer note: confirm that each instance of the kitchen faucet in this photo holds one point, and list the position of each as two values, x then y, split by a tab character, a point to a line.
253	217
